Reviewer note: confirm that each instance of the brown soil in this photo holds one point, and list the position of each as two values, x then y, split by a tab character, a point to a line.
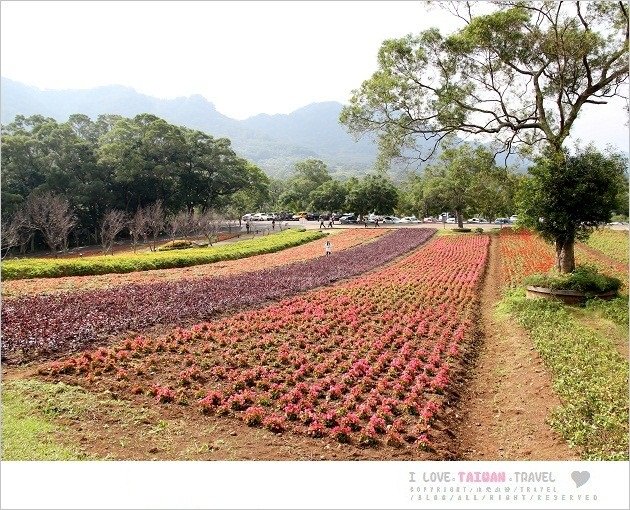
504	409
146	431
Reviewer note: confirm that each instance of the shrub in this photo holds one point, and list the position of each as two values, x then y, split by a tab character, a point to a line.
178	244
585	278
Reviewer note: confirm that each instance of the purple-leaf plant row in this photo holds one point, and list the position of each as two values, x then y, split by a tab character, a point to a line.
36	326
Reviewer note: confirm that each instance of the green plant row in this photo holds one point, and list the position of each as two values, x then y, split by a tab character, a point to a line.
51	268
589	375
613	243
585	278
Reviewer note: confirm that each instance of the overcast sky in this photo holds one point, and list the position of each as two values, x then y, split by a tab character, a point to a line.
245	57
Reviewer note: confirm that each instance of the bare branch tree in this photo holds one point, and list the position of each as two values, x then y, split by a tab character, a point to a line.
184	223
210	225
155	221
51	215
137	226
15	232
114	221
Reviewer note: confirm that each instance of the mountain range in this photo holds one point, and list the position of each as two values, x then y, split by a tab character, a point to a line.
274	142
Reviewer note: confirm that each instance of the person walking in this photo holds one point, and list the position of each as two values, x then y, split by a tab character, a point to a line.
273	224
247	226
330	221
321	222
328	248
376	222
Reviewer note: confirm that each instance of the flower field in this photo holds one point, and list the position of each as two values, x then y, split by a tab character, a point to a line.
368	361
524	254
341	239
61	323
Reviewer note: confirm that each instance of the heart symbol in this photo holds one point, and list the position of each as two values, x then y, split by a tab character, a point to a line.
580	477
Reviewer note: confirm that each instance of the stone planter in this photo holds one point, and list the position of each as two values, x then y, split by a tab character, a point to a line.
570	297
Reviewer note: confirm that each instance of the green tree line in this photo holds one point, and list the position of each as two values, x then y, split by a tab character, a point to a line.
117	163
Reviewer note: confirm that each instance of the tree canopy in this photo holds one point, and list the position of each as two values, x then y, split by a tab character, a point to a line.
465	180
520	74
120	163
594	179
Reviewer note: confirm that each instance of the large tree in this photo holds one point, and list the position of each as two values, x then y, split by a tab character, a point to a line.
594	180
520	74
464	180
307	177
374	193
329	196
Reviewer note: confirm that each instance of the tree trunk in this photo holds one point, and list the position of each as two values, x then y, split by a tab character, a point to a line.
565	257
460	219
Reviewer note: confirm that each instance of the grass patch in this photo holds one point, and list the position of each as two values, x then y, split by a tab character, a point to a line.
613	243
28	432
50	268
615	310
589	375
35	416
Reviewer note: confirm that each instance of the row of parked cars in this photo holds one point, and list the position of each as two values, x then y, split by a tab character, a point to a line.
349	218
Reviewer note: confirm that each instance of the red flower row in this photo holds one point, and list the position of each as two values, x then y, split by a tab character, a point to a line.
367	361
40	325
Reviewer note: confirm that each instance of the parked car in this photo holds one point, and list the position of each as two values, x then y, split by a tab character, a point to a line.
391	219
257	216
513	218
247	217
409	219
451	220
350	218
501	221
428	220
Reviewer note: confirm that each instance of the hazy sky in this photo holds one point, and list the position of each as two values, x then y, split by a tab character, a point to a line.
245	57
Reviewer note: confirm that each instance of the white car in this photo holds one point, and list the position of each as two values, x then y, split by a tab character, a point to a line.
409	219
513	218
451	220
391	219
474	220
428	220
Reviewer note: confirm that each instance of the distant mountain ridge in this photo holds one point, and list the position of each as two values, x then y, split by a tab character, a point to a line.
274	142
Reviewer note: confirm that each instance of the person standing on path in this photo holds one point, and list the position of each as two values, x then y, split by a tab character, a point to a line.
328	248
273	224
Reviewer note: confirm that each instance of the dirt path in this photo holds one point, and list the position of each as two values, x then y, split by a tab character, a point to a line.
510	395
